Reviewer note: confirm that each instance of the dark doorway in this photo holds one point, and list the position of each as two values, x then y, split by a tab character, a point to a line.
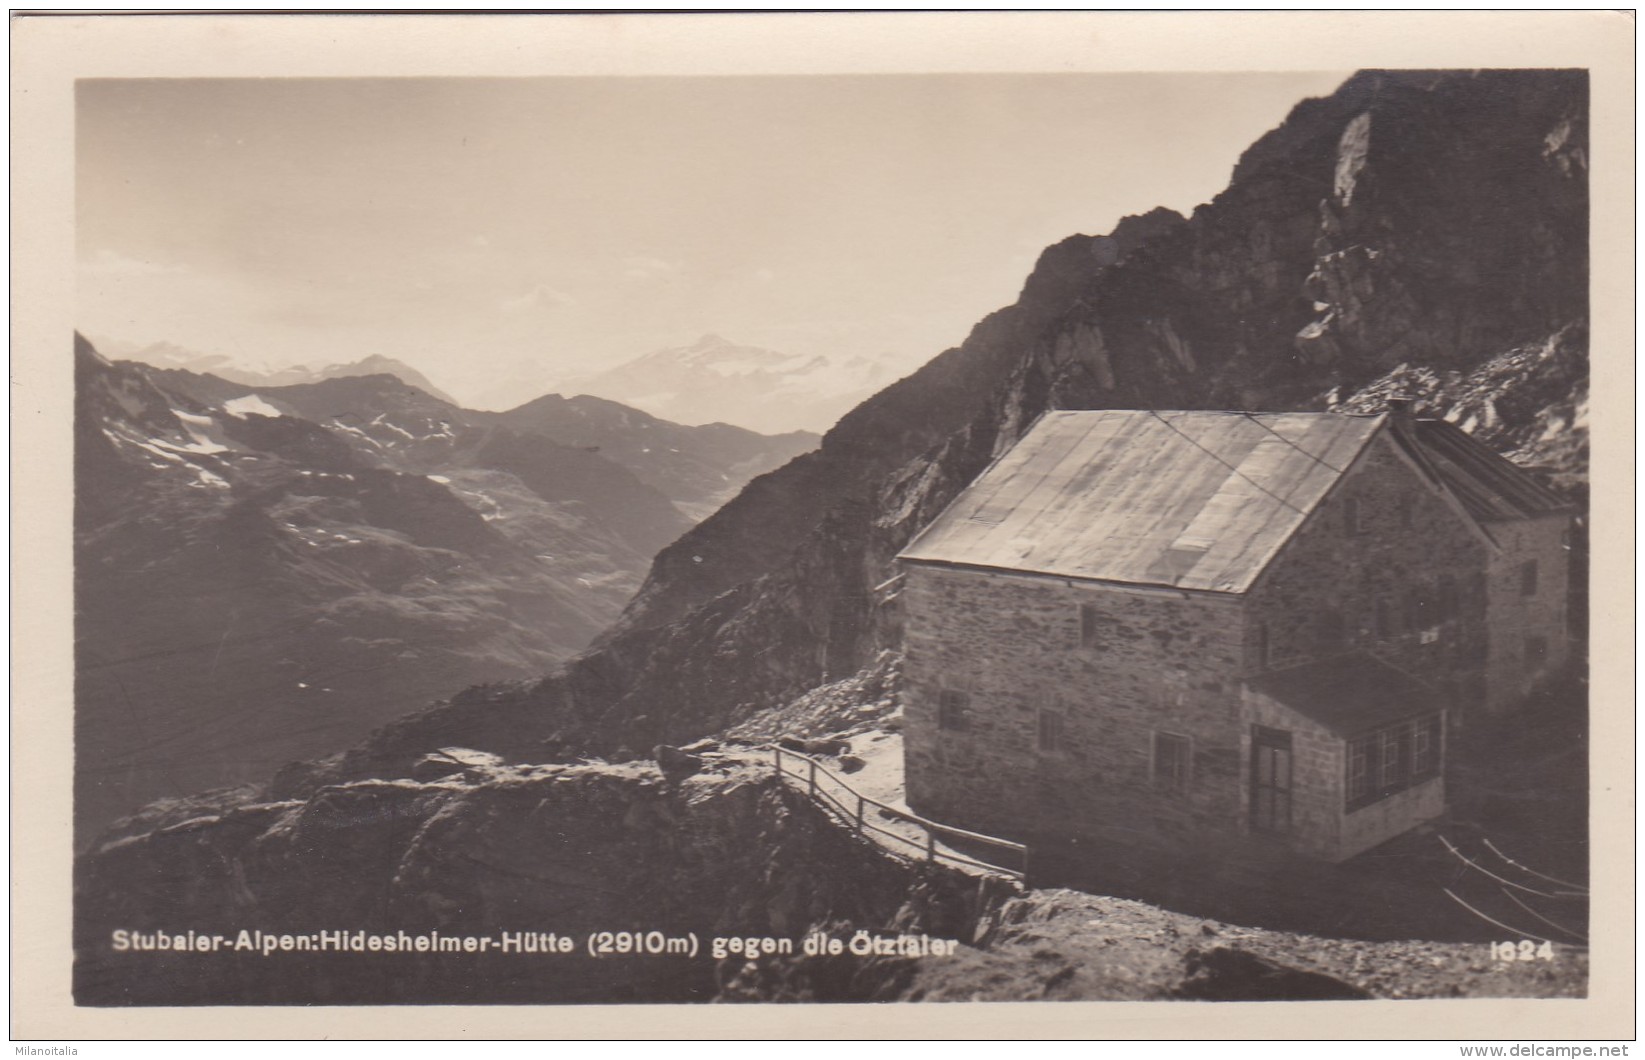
1270	779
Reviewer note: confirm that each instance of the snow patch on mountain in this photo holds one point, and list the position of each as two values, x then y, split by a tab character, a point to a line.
249	405
717	380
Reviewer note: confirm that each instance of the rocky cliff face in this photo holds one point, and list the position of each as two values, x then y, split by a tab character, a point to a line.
1411	228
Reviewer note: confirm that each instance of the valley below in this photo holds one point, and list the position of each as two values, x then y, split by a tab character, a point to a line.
267	573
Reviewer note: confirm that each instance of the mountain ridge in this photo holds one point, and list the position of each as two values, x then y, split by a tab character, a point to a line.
167	355
307	561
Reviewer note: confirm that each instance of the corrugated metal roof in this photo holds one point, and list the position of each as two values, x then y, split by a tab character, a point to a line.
1491	487
1350	694
1197	500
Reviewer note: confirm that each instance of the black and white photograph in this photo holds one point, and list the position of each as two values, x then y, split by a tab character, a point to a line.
735	537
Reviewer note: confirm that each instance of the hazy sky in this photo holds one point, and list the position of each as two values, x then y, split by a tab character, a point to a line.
542	227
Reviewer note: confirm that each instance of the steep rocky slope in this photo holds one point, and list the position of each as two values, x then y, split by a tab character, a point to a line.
1410	226
266	572
253	584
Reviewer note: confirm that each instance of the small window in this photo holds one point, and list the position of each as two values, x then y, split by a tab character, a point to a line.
1352	517
1391	755
1048	733
1423	738
1527	578
1359	770
1390	760
1088	626
953	710
1170	762
1262	646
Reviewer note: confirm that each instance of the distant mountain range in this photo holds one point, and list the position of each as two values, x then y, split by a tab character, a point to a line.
169	355
698	468
716	380
712	381
264	571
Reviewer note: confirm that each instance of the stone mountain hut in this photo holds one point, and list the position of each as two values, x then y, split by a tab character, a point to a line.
1202	631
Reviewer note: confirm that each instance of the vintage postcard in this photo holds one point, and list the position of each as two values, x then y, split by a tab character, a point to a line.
1091	522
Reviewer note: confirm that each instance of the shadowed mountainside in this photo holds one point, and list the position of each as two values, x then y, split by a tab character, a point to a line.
266	572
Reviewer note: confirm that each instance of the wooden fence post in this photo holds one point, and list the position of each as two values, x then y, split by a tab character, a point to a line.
859	813
930	845
813	762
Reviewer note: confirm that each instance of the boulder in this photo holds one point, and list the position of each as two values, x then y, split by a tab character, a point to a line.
674	762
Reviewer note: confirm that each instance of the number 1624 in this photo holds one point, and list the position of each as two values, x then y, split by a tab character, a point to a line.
1523	950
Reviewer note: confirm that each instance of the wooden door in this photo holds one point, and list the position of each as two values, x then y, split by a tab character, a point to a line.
1270	779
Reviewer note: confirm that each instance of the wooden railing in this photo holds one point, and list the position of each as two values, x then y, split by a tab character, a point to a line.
851	806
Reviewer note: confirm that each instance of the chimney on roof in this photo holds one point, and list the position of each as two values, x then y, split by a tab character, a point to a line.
1399	409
